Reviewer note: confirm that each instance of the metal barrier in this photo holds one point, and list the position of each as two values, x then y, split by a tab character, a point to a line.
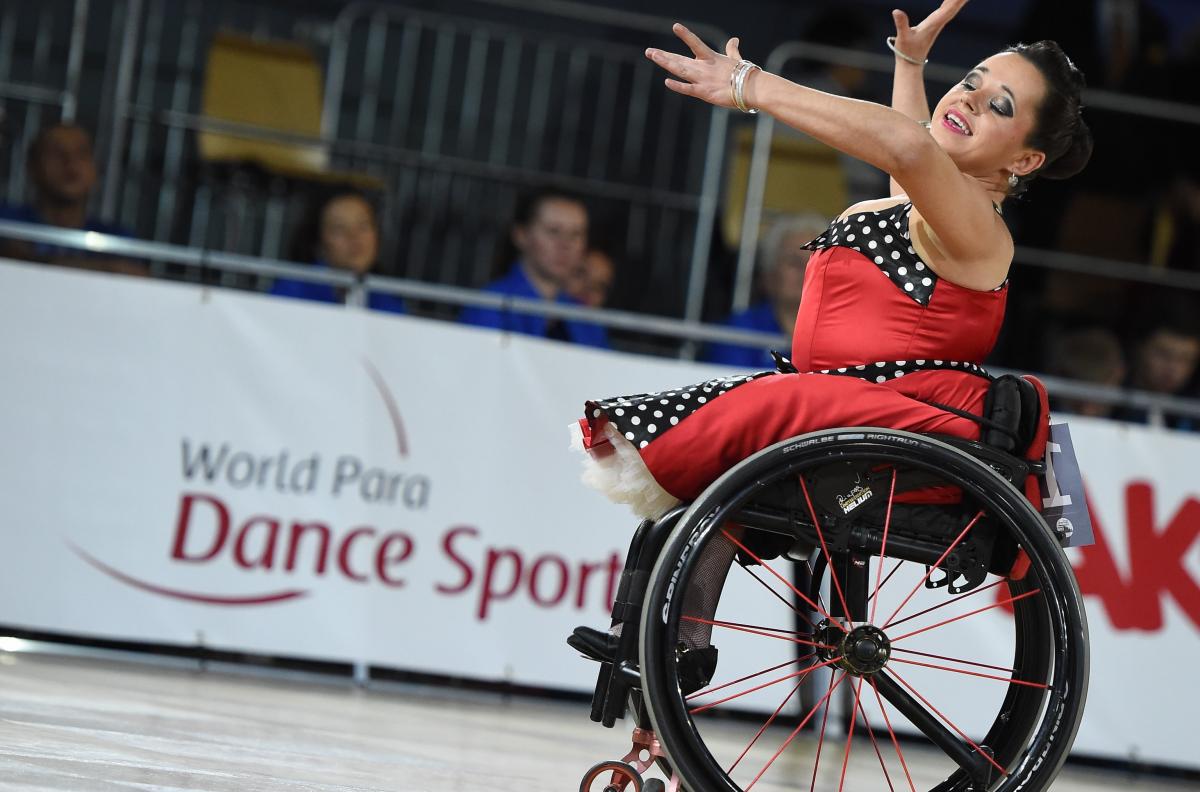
566	97
455	113
789	52
689	332
154	181
41	62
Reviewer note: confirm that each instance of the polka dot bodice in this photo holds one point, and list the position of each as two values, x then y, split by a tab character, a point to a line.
883	237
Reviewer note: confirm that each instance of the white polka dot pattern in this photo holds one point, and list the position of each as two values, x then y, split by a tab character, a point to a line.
889	248
683	402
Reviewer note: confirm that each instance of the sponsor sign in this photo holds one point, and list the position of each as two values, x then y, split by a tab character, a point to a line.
198	467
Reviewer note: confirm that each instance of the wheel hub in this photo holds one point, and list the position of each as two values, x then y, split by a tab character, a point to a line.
865	650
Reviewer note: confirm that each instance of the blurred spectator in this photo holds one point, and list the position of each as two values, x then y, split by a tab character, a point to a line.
62	170
592	280
340	231
549	235
1165	362
783	261
1091	355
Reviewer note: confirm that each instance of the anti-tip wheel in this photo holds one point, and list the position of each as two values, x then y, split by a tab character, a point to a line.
655	785
623	778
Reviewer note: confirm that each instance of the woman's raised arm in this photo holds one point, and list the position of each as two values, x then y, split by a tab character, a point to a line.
912	46
954	205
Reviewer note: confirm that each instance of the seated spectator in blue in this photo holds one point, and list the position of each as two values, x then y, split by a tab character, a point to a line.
592	281
61	168
550	239
782	263
1166	362
340	231
1091	355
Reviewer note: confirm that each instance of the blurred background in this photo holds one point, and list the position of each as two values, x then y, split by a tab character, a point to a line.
440	116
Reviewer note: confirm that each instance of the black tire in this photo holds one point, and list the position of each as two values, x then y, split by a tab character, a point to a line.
1030	729
654	785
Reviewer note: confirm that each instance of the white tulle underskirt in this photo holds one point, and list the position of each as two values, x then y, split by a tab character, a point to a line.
617	471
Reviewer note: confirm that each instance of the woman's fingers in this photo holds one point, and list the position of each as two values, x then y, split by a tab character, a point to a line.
945	12
901	20
731	49
679	65
687	89
698	47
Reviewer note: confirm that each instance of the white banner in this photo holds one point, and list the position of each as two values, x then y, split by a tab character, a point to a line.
184	465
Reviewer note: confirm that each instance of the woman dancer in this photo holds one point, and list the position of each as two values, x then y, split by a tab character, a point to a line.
904	296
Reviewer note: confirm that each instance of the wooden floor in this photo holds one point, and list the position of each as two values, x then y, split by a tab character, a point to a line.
84	724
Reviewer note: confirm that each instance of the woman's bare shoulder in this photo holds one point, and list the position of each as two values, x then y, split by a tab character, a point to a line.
874	205
983	275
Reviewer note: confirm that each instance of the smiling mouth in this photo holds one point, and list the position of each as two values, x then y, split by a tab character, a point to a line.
956	124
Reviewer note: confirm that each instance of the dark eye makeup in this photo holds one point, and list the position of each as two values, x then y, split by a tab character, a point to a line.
1001	105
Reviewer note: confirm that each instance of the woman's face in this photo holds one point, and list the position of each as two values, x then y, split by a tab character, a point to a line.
983	123
349	237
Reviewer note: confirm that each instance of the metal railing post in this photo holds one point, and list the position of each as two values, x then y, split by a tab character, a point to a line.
70	101
114	164
706	217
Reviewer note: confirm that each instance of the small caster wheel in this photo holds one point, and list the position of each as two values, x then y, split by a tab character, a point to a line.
621	778
654	785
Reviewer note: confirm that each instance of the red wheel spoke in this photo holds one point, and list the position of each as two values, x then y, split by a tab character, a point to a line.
765	726
781	630
971	593
887	522
850	738
955	660
793	675
874	744
777	595
891	732
784	580
753	631
973	673
949	723
895	569
923	580
832	687
825	549
710	691
1000	604
821	739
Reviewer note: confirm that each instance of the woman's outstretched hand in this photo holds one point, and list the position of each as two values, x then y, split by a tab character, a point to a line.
707	75
916	42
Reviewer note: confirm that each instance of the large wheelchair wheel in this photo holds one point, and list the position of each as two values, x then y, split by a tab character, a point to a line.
915	593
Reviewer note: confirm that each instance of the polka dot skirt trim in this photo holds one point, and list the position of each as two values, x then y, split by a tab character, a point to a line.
642	417
883	371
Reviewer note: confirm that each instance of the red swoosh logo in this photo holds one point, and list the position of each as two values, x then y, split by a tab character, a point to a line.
207	599
389	401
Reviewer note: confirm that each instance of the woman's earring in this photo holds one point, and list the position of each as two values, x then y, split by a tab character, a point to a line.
1013	181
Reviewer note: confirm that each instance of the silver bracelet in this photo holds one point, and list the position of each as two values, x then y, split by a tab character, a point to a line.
891	44
737	84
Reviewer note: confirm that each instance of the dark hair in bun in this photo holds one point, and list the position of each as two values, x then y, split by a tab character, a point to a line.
1059	130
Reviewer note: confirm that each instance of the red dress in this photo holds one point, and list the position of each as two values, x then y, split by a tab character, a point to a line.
882	339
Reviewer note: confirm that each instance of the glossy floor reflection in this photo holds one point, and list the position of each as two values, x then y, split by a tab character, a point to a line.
82	724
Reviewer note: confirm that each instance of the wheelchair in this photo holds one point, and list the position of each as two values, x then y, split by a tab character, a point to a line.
852	609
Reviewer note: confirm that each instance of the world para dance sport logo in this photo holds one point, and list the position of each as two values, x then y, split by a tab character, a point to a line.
205	533
205	530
